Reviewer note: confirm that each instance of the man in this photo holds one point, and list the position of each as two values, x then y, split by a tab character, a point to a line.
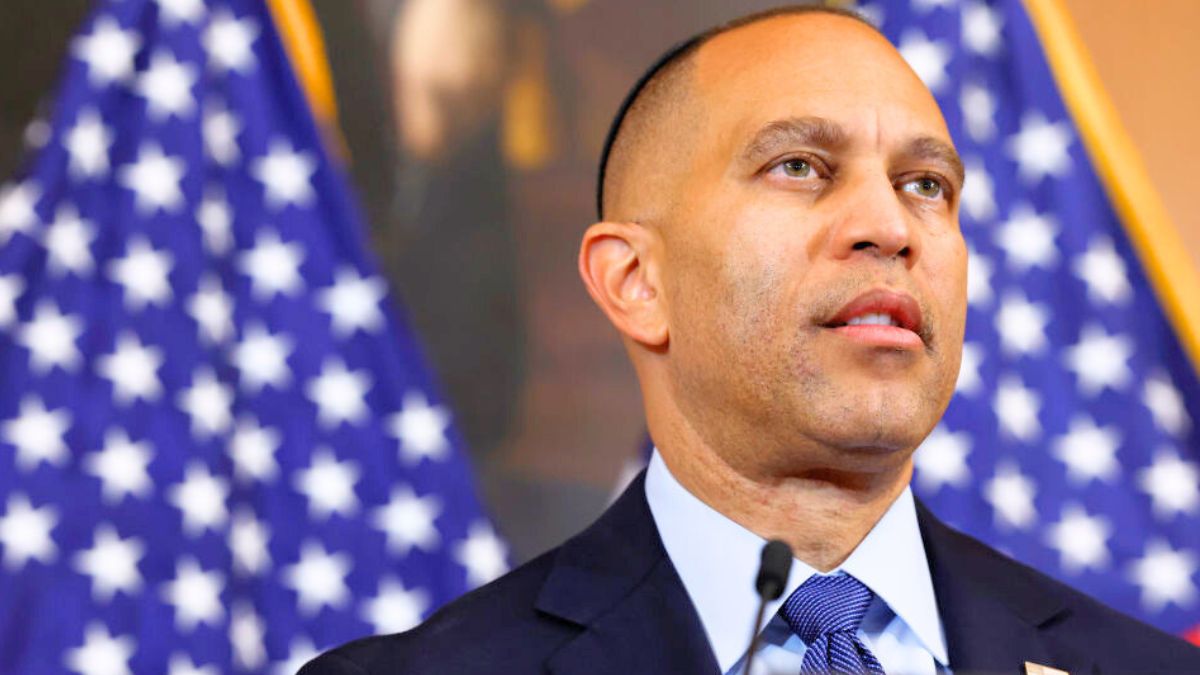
779	249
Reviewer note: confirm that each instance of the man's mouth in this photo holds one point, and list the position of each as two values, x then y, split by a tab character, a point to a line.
881	318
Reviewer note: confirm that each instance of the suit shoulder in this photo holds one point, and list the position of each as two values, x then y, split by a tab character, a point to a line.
495	628
1115	639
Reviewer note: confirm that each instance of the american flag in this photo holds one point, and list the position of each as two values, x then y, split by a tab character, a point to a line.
219	448
1070	443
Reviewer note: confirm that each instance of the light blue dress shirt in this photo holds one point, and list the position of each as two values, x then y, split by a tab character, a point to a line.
718	559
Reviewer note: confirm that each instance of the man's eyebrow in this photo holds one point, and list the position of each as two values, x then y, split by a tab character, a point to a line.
932	148
810	131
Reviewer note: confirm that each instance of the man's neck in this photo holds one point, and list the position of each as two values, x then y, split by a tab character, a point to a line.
821	513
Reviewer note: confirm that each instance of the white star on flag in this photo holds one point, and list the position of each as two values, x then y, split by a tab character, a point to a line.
979	279
167	87
175	12
978	192
409	521
50	338
339	394
37	134
285	174
1022	324
261	358
273	266
112	564
319	578
133	370
155	179
981	28
68	243
246	633
353	302
395	608
1173	485
942	459
1011	495
195	594
928	58
300	652
979	111
872	12
220	130
182	664
88	144
229	42
969	382
200	497
208	402
482	554
1100	361
108	51
212	309
1041	148
25	532
1080	539
1104	273
248	543
1166	404
122	467
1088	451
11	288
216	221
38	434
328	485
420	428
101	653
17	212
926	6
142	274
1165	576
252	448
1027	238
1016	407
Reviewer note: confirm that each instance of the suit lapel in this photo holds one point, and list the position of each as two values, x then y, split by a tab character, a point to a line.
996	614
616	582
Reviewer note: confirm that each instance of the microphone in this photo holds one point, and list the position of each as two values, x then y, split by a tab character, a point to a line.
772	578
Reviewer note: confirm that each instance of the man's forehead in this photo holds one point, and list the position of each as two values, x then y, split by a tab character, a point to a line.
802	31
818	65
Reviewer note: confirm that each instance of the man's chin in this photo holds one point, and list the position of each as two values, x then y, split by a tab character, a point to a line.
886	438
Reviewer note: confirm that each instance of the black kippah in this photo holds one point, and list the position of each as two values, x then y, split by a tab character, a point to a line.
662	62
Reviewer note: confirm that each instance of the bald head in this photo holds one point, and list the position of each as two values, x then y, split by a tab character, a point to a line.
652	131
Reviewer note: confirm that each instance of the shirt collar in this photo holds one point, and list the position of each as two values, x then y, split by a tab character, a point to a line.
704	546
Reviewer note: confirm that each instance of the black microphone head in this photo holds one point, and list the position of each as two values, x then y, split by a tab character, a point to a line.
774	570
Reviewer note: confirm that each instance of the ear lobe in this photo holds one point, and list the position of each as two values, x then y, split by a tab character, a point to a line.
615	263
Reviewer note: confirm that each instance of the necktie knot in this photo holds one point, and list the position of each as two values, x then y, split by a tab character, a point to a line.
827	604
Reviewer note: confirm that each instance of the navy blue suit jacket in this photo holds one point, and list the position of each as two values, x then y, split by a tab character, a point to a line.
609	601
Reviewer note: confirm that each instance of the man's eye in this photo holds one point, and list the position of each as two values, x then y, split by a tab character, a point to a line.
797	168
929	188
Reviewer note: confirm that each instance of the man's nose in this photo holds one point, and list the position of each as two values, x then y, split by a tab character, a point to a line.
874	221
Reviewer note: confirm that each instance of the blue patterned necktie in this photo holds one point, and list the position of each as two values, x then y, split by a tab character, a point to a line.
826	612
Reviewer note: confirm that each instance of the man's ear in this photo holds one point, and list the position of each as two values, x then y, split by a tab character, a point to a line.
621	276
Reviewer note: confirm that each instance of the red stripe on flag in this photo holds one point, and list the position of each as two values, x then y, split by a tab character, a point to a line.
1193	635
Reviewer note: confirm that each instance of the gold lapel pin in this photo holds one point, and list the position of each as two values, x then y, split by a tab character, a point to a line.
1032	668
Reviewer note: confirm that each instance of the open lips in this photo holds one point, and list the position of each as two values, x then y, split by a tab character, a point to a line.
880	318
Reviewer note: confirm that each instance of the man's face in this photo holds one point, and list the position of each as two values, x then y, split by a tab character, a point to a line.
820	199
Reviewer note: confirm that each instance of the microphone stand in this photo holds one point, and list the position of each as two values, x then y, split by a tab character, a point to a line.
772	577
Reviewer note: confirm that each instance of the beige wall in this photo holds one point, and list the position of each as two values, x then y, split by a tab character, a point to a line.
1148	55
